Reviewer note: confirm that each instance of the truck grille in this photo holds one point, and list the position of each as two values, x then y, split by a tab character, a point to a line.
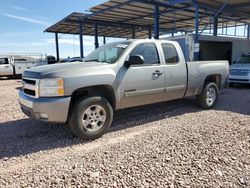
30	87
239	80
237	72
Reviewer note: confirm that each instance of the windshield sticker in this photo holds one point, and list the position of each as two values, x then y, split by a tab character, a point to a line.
121	46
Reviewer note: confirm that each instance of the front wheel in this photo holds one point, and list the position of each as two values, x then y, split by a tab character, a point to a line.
91	117
209	96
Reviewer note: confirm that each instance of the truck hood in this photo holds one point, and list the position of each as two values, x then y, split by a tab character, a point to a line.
240	66
64	69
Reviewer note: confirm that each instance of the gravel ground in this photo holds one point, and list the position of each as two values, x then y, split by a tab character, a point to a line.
173	144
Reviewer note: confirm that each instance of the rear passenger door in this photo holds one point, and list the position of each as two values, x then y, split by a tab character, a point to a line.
176	72
143	84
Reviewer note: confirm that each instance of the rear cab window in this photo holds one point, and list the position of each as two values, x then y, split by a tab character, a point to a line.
170	53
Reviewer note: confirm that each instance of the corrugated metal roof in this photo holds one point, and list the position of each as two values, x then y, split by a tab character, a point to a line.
117	18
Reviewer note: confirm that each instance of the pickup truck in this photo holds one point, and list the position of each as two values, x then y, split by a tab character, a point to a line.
116	76
12	66
240	71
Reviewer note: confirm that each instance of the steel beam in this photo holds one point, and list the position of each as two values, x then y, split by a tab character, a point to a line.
173	2
230	9
149	32
57	47
104	39
156	21
215	32
96	35
133	33
196	53
248	31
214	17
81	39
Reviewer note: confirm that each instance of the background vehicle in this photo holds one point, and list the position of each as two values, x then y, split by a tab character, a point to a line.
116	76
14	65
240	71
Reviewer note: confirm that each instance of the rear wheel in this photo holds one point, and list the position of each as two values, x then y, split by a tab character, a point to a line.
209	96
91	117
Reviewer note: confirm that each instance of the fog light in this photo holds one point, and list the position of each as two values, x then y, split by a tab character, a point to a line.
44	116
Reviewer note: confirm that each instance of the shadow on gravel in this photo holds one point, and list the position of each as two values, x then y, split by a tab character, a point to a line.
28	136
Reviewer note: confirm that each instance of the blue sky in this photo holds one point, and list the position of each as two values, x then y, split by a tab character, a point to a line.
23	22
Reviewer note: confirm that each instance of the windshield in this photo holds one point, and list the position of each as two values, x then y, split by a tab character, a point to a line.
244	60
107	53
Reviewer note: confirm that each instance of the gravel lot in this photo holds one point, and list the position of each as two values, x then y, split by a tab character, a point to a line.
173	144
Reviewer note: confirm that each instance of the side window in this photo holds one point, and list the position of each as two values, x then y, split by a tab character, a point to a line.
148	51
170	53
4	61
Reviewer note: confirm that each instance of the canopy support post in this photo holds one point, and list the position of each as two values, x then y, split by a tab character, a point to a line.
57	47
156	21
248	31
96	35
197	45
81	39
215	33
149	32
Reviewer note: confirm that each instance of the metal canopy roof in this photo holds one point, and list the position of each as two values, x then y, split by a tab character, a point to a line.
118	18
70	25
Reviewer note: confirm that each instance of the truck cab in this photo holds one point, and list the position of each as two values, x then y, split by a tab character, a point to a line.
6	68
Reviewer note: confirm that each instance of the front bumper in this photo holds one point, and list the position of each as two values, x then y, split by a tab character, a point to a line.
45	109
239	79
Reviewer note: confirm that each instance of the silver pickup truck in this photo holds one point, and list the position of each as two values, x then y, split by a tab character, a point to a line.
116	76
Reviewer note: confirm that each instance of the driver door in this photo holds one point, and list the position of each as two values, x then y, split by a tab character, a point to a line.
143	84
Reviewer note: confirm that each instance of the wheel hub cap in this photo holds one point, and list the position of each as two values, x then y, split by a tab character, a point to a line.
94	118
211	96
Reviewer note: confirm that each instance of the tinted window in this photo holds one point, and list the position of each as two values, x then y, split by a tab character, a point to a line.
20	59
148	51
4	61
170	53
245	59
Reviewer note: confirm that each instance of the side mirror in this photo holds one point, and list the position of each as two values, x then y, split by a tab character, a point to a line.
134	60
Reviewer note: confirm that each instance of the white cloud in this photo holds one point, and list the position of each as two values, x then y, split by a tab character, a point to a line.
19	8
26	19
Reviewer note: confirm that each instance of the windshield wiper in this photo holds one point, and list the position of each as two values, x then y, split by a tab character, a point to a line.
93	60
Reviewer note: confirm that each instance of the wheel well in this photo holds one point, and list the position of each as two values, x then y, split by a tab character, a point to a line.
216	78
100	90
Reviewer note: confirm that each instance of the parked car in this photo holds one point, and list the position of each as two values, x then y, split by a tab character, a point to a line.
240	71
117	76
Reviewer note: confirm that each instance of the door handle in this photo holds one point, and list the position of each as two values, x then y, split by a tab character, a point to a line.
157	73
7	66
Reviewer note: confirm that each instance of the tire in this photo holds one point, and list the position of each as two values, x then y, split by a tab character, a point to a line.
209	96
90	118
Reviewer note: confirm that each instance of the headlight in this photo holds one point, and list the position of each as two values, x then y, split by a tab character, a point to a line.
51	87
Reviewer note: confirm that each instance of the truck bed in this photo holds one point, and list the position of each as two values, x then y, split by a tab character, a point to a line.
198	72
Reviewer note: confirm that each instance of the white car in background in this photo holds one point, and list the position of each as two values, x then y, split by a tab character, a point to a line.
240	71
